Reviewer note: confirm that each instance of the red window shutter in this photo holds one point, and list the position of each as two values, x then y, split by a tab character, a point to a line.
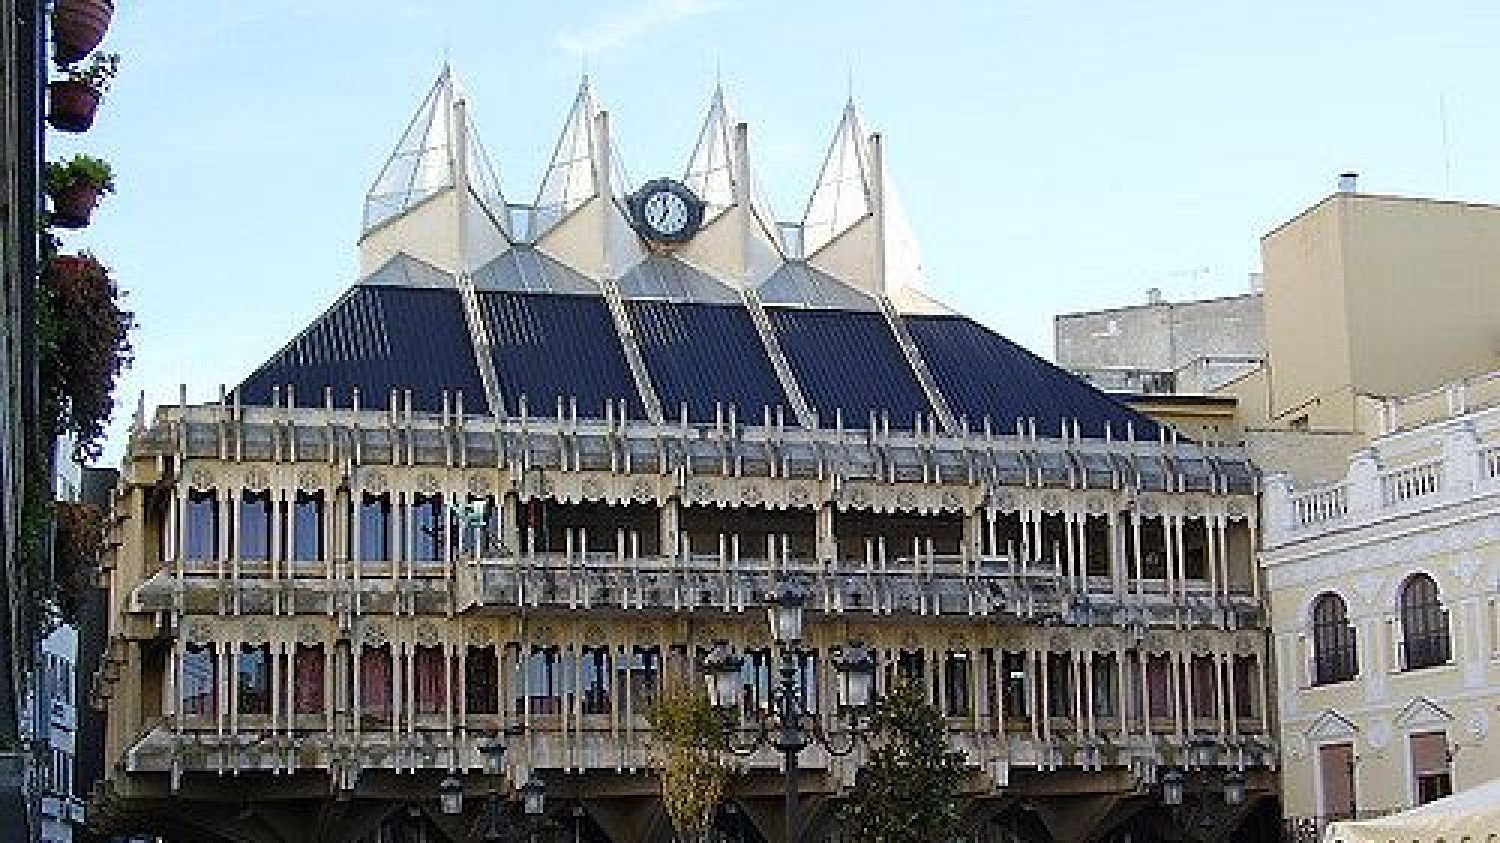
1429	753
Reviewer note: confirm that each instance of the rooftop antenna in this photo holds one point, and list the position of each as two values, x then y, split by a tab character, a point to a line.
849	79
1447	152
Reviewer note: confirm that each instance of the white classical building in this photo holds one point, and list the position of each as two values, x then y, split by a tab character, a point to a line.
1383	590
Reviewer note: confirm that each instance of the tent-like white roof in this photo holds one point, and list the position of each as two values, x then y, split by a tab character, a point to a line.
1470	816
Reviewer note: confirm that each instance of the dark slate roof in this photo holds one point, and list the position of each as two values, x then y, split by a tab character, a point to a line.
377	338
849	361
700	354
981	373
548	346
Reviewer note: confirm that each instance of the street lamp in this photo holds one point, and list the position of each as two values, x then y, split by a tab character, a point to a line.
789	727
1171	787
1234	787
451	796
533	797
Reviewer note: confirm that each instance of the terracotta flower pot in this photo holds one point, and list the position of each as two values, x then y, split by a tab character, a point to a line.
71	105
78	26
72	206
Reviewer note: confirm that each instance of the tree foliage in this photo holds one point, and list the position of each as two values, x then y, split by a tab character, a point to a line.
908	791
688	743
83	346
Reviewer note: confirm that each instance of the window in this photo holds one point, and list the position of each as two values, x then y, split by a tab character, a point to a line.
596	670
807	679
909	667
1159	687
1097	543
431	679
1205	698
375	681
645	676
307	679
307	527
481	673
374	528
255	526
1424	624
427	528
1245	688
254	679
755	680
1013	666
1153	548
956	685
1102	685
1195	549
1431	766
198	680
544	681
1335	658
1059	685
201	537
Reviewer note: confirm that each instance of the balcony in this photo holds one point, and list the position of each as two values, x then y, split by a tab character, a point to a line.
1403	472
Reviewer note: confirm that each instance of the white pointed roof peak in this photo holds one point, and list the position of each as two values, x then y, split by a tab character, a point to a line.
842	195
714	170
569	180
424	161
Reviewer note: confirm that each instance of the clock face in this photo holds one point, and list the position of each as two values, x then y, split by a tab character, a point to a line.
666	212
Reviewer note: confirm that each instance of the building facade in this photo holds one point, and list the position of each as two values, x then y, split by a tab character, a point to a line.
540	458
1383	597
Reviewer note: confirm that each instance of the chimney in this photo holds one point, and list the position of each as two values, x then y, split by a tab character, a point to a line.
1153	295
1348	182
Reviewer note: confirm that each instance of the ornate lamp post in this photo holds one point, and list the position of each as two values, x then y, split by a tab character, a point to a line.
789	727
496	824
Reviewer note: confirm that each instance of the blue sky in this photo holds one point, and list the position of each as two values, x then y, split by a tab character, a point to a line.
1054	156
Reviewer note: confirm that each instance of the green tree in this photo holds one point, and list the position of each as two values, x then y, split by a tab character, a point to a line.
908	792
688	742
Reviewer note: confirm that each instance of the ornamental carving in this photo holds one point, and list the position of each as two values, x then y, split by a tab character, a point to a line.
1149	505
309	478
906	499
958	643
200	633
909	641
427	483
256	632
951	500
427	635
1192	507
1236	508
594	634
701	490
1060	642
1379	733
479	485
1051	502
480	635
309	634
1097	505
1005	500
201	479
257	479
1478	724
642	490
1155	643
1199	644
858	496
375	634
1245	644
799	495
1104	640
751	494
375	483
592	489
545	636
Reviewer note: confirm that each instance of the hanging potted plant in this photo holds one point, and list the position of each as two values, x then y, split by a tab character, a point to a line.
75	186
72	100
77	27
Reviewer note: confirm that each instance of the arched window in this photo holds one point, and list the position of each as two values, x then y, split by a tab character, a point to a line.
1334	654
1424	624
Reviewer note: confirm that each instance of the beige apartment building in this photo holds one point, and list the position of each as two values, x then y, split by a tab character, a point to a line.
1383	592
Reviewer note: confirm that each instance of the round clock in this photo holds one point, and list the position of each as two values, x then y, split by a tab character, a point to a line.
666	211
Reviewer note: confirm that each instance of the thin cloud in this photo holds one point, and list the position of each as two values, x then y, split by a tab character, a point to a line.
620	29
